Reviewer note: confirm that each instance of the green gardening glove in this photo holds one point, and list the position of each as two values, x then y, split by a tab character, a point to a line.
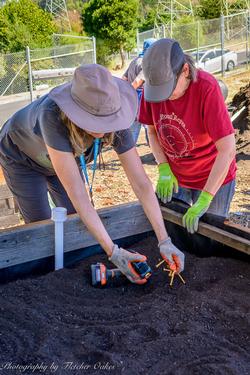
167	182
191	218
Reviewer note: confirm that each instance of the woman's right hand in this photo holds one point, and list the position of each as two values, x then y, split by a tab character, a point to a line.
122	259
167	183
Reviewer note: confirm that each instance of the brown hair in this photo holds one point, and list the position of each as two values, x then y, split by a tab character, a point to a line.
192	68
79	138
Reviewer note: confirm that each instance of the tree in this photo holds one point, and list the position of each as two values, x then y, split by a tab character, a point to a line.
4	33
114	21
185	31
27	24
209	9
149	21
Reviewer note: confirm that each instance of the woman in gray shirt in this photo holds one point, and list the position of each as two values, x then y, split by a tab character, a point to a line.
39	145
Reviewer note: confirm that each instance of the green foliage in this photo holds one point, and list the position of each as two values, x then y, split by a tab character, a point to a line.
209	9
4	33
148	22
75	20
185	31
27	24
75	5
114	21
238	5
104	54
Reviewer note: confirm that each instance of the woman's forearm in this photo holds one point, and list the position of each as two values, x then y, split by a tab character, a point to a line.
69	175
218	172
91	219
155	146
152	210
144	191
226	153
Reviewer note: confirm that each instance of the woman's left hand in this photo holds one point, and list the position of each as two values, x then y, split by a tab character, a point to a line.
191	218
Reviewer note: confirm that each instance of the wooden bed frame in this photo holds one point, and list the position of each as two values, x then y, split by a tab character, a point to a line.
125	223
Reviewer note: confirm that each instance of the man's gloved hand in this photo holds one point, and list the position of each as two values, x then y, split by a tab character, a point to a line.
167	182
191	218
123	259
173	256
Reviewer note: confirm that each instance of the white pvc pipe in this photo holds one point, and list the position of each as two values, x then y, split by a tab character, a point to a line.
59	215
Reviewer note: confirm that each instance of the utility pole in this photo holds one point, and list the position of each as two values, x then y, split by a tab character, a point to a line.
59	11
230	10
169	11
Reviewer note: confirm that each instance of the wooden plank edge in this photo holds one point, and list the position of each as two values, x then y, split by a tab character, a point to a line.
36	241
5	192
210	231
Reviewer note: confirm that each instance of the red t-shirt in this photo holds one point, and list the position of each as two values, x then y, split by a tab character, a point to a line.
188	128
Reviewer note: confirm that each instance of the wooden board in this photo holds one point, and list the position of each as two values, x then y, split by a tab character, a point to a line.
9	220
230	239
5	192
8	211
34	241
214	220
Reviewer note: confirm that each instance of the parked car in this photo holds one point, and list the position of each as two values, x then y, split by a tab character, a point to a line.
211	60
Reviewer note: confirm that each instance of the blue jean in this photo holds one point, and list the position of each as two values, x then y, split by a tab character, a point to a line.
135	130
220	204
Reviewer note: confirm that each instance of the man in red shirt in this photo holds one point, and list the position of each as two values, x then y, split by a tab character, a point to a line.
190	132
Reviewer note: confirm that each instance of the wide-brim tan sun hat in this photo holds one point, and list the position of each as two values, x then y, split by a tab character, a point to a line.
96	101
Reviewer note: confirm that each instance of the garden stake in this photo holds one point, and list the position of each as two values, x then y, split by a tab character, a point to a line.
172	278
184	282
159	264
171	273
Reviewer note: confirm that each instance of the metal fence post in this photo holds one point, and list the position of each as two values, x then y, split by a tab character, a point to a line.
94	48
29	73
248	37
163	31
222	29
198	41
137	41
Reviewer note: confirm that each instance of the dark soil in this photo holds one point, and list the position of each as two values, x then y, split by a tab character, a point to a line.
198	328
242	123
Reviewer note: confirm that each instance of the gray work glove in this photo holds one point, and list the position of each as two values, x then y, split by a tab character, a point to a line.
123	259
173	256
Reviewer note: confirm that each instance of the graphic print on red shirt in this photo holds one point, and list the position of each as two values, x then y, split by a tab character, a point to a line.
188	128
174	137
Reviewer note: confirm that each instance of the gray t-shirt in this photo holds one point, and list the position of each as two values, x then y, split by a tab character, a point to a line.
134	70
24	136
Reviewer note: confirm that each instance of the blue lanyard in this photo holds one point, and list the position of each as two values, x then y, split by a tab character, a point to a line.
84	167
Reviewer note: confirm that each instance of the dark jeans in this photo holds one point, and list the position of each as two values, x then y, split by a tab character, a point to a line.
135	130
220	204
30	189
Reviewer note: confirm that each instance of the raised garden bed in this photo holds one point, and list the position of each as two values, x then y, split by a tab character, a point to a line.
60	322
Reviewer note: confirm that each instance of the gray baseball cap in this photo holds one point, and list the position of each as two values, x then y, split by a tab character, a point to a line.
161	64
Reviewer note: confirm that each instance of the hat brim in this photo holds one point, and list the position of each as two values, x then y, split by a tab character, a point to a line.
120	120
159	93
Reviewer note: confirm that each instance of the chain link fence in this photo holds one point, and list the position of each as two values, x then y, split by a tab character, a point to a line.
227	33
41	69
44	68
13	73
